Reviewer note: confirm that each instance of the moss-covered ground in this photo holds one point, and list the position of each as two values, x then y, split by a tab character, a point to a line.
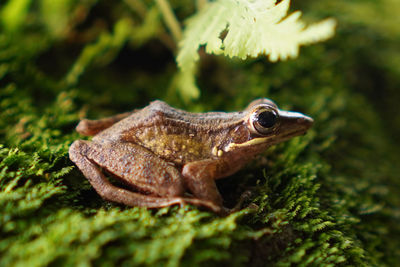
329	198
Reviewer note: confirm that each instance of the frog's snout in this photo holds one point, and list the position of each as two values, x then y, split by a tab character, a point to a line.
305	121
295	121
293	124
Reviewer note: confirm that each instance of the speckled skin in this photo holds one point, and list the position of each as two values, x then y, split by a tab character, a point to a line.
162	152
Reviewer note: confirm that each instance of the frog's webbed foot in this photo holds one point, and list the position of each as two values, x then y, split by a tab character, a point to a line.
88	158
246	195
204	203
199	178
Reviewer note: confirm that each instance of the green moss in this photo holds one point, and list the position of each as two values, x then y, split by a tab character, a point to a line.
329	198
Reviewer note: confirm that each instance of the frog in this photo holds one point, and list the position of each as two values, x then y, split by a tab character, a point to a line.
163	156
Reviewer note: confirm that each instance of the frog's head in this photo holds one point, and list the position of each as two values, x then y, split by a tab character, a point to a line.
264	124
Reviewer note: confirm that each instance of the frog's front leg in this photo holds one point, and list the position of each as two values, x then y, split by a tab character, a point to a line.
137	167
199	178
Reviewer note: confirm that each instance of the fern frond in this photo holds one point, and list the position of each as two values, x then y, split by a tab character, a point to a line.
252	28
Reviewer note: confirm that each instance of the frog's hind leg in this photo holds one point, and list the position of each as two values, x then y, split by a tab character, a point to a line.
88	158
93	127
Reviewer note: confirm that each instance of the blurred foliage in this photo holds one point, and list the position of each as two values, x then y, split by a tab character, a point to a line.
243	29
249	29
330	197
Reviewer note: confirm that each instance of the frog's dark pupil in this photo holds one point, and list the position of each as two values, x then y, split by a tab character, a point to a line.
266	119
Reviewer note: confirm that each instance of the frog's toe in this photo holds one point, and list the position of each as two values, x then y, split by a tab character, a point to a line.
204	204
250	209
253	207
245	196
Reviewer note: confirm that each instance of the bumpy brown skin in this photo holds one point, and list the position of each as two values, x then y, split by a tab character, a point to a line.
162	152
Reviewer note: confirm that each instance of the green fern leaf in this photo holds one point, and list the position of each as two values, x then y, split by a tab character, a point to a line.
252	28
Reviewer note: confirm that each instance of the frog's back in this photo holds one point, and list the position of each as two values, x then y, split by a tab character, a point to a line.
177	136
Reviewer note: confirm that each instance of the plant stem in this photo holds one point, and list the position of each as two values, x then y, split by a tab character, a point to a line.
141	10
170	19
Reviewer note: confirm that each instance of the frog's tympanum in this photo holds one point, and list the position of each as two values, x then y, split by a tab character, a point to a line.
166	156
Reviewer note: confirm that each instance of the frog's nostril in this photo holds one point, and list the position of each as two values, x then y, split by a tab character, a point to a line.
306	121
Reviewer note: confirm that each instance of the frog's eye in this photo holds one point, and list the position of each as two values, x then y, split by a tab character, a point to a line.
263	120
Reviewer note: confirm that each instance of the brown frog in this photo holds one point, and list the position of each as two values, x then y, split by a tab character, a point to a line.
162	153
